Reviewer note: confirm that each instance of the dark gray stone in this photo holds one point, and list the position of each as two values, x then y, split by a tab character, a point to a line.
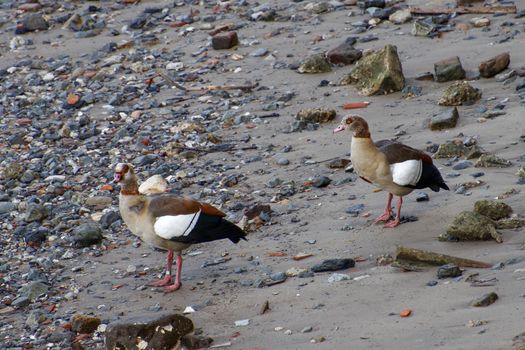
445	120
35	212
147	332
449	69
449	271
333	265
462	164
33	289
6	207
345	53
321	181
87	234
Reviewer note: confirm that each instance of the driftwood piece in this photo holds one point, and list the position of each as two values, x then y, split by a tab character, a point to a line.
205	88
422	256
461	10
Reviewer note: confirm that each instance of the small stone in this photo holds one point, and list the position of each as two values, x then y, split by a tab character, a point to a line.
338	277
355	209
242	323
278	277
307	329
6	207
444	120
84	324
87	234
400	16
316	63
449	69
495	65
422	197
423	28
459	93
462	164
35	212
194	342
21	302
377	73
333	265
223	41
321	181
283	161
339	163
109	218
317	7
32	23
33	290
449	271
425	76
493	209
260	52
176	66
480	22
99	201
452	149
485	300
345	53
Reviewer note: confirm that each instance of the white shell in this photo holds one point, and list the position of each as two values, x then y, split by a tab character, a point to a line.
407	172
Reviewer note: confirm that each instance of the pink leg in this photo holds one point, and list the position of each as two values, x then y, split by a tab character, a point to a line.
177	284
166	280
388	210
395	222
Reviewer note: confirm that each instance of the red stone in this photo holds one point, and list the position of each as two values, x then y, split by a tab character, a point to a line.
224	41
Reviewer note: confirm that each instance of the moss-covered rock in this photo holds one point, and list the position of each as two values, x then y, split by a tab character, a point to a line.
471	226
493	209
492	161
316	115
459	93
317	63
377	73
451	149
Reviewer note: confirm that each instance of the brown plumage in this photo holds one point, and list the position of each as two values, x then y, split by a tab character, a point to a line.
390	165
169	222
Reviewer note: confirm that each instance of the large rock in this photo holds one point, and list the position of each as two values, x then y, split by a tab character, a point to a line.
471	226
32	23
378	73
489	68
317	63
148	332
459	93
345	53
444	120
87	234
493	209
85	324
449	69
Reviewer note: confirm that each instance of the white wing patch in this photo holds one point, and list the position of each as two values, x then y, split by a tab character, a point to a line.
407	172
170	226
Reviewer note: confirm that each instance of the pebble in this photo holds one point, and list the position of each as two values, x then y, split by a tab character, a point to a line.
449	271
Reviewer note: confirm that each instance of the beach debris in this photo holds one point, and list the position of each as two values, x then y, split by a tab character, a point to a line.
476	323
471	226
377	73
405	313
242	323
418	256
459	93
355	105
449	69
485	300
151	331
495	65
444	120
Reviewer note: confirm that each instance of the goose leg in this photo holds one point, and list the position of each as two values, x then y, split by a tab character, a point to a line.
388	210
177	284
395	222
166	280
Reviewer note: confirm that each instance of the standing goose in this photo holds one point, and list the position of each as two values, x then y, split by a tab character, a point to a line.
169	222
392	166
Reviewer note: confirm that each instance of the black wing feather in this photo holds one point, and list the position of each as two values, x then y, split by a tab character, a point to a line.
211	228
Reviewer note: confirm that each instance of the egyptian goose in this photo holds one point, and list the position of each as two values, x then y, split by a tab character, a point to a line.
169	222
392	166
